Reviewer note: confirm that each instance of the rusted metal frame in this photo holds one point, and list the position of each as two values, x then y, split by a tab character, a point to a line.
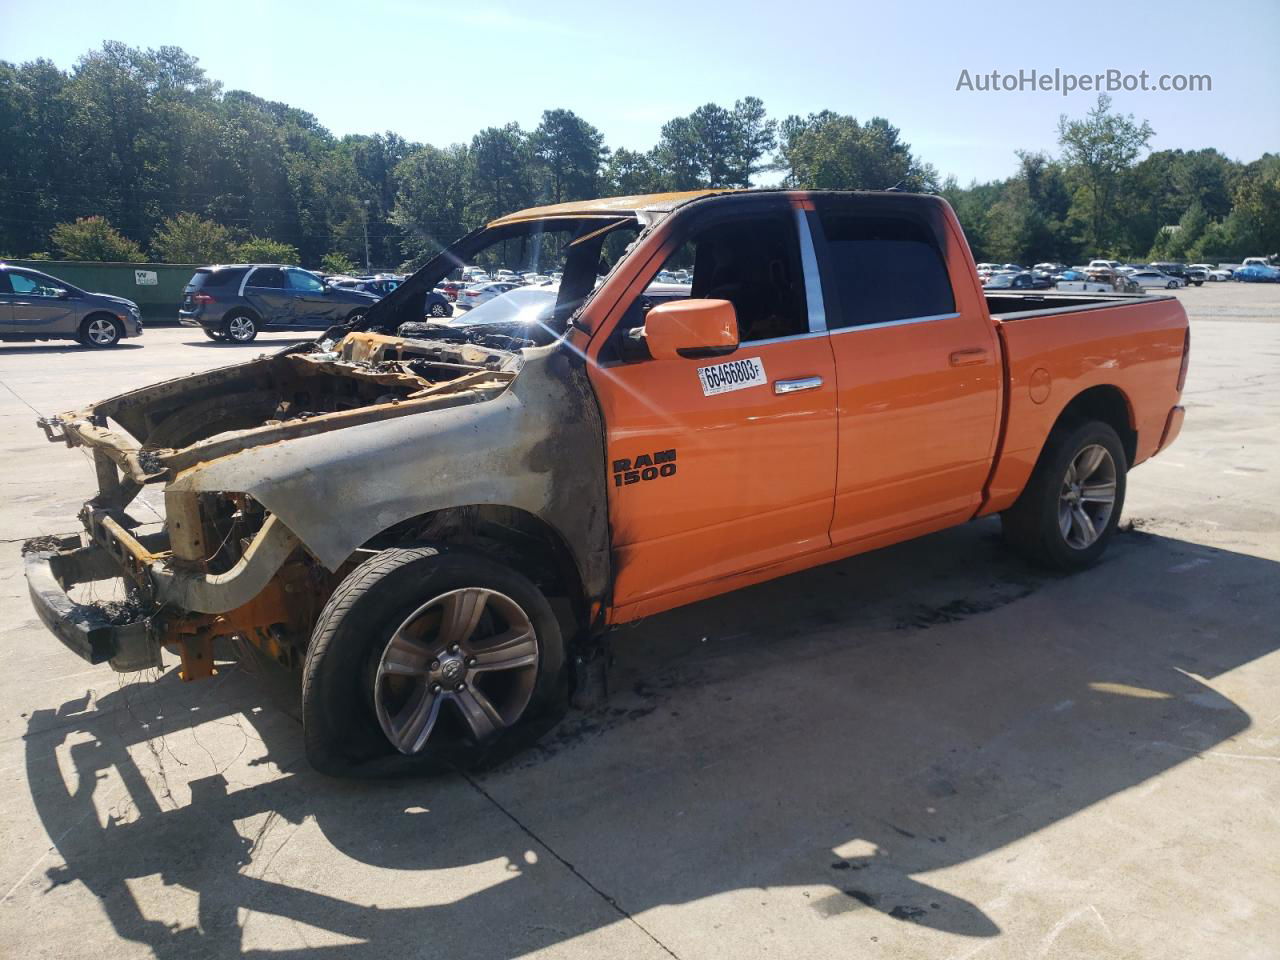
220	592
468	380
122	451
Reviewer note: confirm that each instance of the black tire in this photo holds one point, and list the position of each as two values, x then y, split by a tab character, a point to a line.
341	729
1032	525
214	335
240	327
438	309
100	331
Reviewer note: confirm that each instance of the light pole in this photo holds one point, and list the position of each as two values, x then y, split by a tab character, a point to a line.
366	236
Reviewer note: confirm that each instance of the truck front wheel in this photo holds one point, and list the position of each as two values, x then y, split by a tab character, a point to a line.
1071	506
428	659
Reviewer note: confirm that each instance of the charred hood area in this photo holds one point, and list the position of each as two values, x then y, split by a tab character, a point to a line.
304	390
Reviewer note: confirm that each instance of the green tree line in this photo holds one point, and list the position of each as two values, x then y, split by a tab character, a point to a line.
135	154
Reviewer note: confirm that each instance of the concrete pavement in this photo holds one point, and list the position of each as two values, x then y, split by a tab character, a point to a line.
929	751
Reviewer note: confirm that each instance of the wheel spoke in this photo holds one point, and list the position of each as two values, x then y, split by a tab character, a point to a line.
1084	525
479	713
1064	520
1098	493
516	648
413	725
405	656
462	612
1088	462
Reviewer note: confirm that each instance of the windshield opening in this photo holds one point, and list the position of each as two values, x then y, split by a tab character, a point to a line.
554	264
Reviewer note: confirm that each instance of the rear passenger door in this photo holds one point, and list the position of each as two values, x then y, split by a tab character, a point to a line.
264	289
917	367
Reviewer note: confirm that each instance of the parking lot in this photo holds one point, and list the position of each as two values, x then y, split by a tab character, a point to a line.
928	751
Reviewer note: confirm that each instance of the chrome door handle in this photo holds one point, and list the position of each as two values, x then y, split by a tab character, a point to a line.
967	358
794	386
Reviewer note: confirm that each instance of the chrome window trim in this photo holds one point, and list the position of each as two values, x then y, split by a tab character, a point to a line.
790	339
896	323
812	278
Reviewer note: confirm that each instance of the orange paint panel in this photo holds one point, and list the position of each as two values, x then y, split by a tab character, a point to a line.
754	471
916	430
1136	348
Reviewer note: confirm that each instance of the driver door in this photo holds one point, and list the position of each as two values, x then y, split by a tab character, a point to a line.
721	465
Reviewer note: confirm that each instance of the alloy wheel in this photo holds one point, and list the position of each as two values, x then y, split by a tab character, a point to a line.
473	651
241	328
1088	496
102	332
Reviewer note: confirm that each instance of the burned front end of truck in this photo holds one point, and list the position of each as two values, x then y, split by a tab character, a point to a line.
222	565
282	475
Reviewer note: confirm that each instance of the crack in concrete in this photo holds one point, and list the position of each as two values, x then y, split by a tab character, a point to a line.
621	910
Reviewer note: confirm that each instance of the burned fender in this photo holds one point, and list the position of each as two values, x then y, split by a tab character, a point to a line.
538	446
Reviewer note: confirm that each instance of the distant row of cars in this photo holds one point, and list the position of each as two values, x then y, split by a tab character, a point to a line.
234	302
1115	275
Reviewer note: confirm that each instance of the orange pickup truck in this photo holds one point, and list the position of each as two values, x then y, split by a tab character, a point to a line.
431	523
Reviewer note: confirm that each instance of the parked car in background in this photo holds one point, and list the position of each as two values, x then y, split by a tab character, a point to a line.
1106	264
437	304
479	293
1149	279
1211	273
1050	268
1256	262
1017	281
1179	270
379	285
1257	273
37	306
235	302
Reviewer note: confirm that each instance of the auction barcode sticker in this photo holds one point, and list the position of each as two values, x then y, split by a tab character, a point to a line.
732	375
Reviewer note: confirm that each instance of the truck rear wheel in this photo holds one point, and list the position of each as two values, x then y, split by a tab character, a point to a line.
1071	506
428	659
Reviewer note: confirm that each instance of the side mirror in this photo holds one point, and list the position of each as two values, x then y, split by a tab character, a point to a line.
691	325
63	294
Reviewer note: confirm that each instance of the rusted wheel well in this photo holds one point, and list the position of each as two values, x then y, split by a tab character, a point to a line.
515	537
1109	405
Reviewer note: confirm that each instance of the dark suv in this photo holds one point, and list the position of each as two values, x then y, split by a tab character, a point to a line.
233	302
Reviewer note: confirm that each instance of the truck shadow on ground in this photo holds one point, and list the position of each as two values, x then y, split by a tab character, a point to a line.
837	733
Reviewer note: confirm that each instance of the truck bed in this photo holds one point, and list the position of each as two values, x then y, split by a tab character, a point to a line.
1126	350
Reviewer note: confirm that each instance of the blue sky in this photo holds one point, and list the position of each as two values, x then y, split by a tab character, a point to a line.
438	72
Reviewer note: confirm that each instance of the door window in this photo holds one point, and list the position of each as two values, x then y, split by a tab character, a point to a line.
271	278
303	282
885	269
753	261
28	285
